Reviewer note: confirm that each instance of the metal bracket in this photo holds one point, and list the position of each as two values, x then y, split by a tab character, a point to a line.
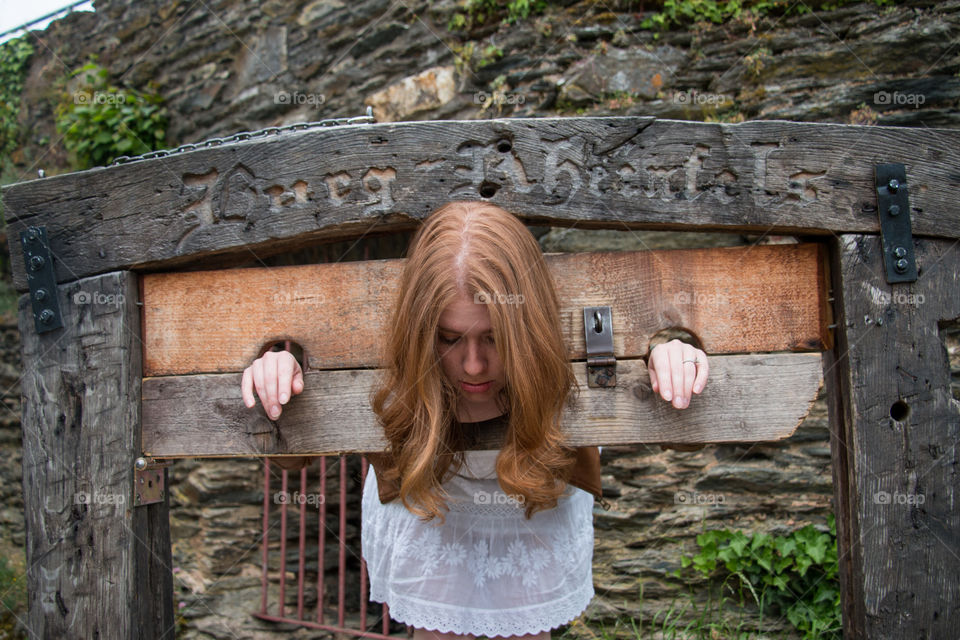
598	333
40	278
148	482
893	207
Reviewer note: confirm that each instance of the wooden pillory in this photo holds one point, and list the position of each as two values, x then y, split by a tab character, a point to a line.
154	325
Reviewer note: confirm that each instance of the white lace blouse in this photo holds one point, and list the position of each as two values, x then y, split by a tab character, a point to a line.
487	570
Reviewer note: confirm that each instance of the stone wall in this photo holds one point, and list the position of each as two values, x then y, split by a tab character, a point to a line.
240	65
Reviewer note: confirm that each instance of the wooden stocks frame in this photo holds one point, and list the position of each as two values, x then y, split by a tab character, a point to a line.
99	569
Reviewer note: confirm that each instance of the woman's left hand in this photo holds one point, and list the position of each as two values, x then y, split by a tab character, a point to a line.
677	369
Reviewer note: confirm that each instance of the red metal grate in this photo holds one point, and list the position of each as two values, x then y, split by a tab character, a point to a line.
318	620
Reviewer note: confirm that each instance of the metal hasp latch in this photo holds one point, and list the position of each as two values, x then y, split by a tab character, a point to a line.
598	333
148	482
893	207
40	278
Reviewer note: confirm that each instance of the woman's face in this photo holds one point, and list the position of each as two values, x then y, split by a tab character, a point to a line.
469	358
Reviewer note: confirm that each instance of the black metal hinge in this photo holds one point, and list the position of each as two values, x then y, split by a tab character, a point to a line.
40	278
893	207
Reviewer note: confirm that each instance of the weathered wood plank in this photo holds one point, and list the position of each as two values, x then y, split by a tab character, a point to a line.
735	300
203	415
153	563
81	417
260	197
897	428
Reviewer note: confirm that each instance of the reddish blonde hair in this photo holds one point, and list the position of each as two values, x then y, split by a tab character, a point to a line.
475	248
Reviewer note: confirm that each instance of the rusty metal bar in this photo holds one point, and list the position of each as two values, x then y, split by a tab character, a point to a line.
283	544
342	569
363	562
303	541
321	543
329	627
266	538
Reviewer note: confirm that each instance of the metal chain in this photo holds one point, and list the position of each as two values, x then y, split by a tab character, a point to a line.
247	135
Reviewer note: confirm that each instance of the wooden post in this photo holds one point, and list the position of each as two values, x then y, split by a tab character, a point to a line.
895	430
98	565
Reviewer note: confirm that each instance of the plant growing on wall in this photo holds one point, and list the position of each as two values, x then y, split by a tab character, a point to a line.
679	12
797	573
14	55
100	122
478	12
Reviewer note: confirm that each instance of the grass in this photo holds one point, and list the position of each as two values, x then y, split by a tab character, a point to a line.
13	598
720	617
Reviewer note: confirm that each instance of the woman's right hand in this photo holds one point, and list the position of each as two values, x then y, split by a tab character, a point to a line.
277	377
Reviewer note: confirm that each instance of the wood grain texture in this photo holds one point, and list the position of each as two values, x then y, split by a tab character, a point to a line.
88	576
261	197
896	430
203	415
734	300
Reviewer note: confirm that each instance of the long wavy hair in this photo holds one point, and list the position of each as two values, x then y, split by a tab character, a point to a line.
475	248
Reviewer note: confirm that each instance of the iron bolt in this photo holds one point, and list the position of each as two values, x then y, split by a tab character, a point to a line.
894	210
40	294
37	262
901	265
893	185
900	252
140	464
46	316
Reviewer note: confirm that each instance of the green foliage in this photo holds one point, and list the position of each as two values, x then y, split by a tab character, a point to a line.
797	573
13	598
480	12
683	12
491	53
468	57
100	122
14	55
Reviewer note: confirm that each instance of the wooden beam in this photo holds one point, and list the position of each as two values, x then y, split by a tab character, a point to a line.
99	566
203	415
896	428
272	194
735	300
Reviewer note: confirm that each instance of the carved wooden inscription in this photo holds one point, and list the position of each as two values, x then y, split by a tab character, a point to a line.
256	198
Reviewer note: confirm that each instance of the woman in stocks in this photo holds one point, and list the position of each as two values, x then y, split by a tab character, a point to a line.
480	543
